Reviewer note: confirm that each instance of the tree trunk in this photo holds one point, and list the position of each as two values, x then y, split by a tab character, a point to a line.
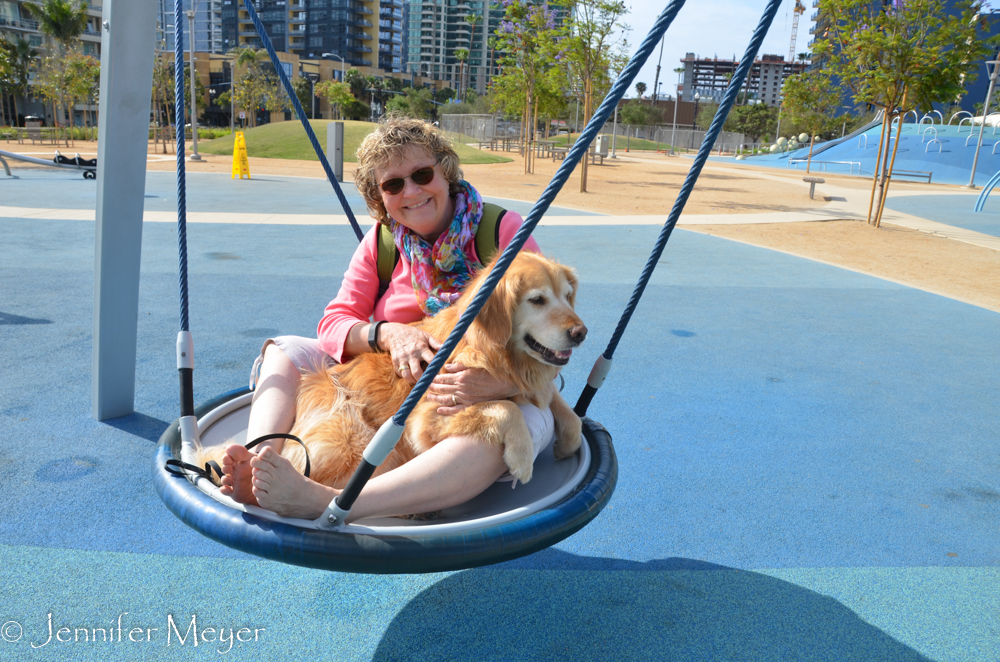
884	172
892	163
812	141
878	163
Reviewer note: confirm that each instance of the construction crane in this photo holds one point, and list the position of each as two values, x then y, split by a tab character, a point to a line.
799	10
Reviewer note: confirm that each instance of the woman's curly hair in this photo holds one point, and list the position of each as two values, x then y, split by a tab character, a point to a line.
386	142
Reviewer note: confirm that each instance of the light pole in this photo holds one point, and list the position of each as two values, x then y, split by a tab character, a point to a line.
312	91
694	123
342	72
982	126
194	99
614	135
677	101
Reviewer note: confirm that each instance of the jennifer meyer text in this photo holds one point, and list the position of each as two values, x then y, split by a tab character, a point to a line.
182	631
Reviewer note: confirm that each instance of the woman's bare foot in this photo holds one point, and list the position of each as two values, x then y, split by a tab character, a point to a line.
236	481
280	488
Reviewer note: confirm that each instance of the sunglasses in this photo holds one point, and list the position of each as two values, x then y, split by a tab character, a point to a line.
420	177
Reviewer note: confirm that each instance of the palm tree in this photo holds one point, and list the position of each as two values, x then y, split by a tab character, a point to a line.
461	54
63	20
640	89
22	55
473	20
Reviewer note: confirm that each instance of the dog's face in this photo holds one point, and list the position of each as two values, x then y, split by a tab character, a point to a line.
532	310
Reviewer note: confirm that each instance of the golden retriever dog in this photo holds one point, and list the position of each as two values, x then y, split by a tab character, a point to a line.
524	334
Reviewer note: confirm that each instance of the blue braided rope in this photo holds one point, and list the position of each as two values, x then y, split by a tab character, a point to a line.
181	188
573	157
302	117
703	153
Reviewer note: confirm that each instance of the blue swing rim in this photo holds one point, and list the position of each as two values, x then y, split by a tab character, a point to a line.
385	554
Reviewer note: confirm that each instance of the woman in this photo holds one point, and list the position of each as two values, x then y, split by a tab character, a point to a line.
411	180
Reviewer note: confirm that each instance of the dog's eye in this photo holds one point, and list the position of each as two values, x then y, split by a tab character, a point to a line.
538	300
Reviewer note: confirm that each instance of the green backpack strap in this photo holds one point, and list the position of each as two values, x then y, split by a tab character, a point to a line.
386	257
487	243
488	232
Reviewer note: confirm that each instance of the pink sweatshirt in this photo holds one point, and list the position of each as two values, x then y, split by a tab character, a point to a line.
355	303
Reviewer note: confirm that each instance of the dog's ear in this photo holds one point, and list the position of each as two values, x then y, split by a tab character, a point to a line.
494	324
570	274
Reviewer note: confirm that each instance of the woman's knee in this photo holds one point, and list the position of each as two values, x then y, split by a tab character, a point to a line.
276	362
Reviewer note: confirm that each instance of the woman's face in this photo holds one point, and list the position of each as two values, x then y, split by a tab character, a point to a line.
426	209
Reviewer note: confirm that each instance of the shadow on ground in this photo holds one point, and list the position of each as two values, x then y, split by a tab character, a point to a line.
558	606
140	425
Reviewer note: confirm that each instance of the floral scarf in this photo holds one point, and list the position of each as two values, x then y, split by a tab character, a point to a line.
441	271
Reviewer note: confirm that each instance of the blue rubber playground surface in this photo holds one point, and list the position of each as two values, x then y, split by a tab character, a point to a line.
807	463
945	151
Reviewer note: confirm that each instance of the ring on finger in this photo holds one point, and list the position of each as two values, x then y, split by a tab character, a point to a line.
454	400
403	367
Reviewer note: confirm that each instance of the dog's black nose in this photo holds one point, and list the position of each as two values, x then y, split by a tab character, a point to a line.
578	333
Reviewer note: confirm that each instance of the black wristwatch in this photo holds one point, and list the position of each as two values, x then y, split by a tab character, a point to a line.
373	335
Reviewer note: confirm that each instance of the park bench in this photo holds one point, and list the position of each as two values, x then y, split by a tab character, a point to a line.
813	181
917	174
559	153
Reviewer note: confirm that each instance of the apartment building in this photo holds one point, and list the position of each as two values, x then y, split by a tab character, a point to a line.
19	21
709	77
207	25
438	29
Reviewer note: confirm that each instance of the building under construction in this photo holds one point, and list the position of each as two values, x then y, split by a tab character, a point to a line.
709	78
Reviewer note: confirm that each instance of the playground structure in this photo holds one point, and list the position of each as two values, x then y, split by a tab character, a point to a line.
88	166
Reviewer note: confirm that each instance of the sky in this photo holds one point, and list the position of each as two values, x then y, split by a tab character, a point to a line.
710	28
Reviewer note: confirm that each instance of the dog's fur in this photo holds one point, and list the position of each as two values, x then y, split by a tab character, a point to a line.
339	410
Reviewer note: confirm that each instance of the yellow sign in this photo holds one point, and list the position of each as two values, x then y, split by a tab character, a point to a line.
241	166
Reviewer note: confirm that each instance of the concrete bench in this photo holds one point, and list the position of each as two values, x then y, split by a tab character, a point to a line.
813	181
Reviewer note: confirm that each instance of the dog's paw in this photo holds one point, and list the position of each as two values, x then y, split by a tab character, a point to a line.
568	437
520	459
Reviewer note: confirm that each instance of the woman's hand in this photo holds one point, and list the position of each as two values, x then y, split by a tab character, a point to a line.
457	386
409	346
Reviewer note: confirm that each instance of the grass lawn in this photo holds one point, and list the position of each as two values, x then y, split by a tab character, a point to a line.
287	140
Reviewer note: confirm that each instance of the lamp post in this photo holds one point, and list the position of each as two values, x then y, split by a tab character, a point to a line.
312	91
194	99
694	122
342	72
614	135
986	111
677	101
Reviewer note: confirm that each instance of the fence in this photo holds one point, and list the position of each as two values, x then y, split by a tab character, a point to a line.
469	127
660	138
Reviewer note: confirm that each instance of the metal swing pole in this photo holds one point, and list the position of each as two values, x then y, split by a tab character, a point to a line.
301	114
603	364
390	432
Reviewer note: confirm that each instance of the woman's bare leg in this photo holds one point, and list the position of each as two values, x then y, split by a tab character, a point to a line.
272	410
450	473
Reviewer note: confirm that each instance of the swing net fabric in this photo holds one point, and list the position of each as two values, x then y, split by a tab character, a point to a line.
342	549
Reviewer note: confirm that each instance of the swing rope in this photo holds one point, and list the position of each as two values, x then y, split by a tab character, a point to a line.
300	113
185	358
387	436
603	364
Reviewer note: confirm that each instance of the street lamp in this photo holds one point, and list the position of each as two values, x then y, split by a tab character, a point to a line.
677	101
312	91
342	73
694	123
194	99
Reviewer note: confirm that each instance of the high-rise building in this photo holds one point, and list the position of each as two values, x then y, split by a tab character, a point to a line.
207	25
19	20
709	77
438	29
391	19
